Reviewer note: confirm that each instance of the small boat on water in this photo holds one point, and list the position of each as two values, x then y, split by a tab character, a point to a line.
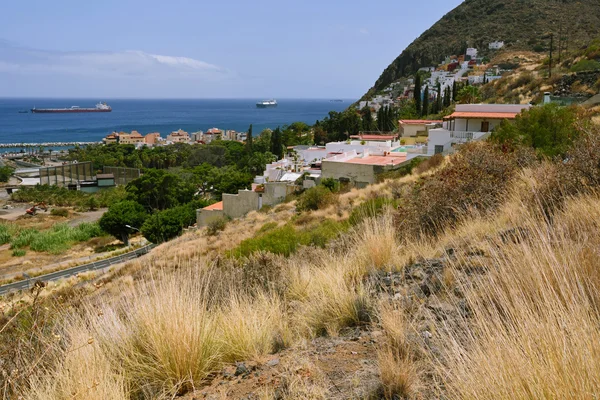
23	111
266	104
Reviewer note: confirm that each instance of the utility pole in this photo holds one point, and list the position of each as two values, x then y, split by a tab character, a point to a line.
550	62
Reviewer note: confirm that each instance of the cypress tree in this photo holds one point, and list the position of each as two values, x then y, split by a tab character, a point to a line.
276	143
447	97
367	119
418	93
425	109
454	92
249	140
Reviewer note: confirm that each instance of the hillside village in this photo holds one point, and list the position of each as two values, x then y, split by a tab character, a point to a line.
436	240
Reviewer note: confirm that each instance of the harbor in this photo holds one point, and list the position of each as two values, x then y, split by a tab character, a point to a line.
44	145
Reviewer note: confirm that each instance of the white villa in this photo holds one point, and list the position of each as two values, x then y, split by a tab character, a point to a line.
471	122
496	45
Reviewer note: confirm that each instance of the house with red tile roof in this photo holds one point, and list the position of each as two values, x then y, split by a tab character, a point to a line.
471	122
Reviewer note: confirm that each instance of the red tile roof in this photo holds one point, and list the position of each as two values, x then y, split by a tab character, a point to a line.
485	115
214	207
376	160
418	122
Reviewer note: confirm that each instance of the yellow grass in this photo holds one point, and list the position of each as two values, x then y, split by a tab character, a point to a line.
536	315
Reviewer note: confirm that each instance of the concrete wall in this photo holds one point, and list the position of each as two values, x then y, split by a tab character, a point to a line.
238	205
205	217
359	174
275	193
413	130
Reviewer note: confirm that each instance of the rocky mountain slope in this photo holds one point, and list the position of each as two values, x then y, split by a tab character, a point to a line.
521	24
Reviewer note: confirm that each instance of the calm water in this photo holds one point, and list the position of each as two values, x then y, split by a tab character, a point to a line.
146	116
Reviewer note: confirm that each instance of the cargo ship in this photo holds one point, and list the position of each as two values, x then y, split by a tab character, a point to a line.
100	107
266	104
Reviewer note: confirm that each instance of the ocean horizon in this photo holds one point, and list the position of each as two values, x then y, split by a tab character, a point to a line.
151	115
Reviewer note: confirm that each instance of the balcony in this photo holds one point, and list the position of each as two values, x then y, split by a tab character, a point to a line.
464	136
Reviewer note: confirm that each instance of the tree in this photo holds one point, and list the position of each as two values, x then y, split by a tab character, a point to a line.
368	124
469	95
167	224
454	91
277	143
249	140
263	143
121	214
418	93
5	173
319	134
159	190
425	109
549	129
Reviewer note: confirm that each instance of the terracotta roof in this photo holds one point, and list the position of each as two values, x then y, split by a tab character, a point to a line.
374	137
418	122
376	160
486	115
213	207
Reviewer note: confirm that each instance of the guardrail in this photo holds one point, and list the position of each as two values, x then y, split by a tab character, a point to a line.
28	283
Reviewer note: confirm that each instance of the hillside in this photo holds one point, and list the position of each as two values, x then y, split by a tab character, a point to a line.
521	24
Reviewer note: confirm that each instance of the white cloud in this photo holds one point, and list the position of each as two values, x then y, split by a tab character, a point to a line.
363	31
110	64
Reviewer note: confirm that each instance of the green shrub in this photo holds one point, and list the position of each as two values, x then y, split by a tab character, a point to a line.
23	238
59	212
5	173
285	240
18	253
315	198
165	225
267	227
332	184
586	65
6	233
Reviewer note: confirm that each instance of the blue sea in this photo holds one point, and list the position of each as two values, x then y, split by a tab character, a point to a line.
147	116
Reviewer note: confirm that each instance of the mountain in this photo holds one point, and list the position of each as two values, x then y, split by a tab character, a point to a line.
521	24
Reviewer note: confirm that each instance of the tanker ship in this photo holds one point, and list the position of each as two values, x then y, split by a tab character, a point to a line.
100	107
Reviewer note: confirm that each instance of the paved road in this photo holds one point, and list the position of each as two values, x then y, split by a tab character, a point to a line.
26	284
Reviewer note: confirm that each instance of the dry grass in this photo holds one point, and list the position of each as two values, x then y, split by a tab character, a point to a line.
85	373
375	244
536	316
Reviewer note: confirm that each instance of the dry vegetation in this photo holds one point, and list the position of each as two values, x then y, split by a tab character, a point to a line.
476	279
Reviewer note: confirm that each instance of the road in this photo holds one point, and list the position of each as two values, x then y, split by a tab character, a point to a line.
98	265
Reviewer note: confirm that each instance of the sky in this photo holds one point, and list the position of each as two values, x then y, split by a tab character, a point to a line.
204	49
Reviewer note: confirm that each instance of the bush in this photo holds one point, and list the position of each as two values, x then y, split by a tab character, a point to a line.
121	214
18	253
216	226
332	184
315	198
285	240
165	225
429	164
5	173
59	212
586	65
476	177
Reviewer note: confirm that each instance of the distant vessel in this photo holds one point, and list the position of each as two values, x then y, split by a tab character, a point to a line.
266	104
100	107
23	112
337	101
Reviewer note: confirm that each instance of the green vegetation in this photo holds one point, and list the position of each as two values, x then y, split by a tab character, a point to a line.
5	173
370	209
63	197
287	239
159	190
549	129
119	215
217	226
56	240
167	224
59	212
315	198
586	65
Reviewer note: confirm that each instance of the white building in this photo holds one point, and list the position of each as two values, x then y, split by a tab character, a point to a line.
496	45
472	52
471	122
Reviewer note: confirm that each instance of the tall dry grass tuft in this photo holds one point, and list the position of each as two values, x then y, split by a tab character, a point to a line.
252	327
163	336
84	373
323	301
535	314
399	370
375	245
